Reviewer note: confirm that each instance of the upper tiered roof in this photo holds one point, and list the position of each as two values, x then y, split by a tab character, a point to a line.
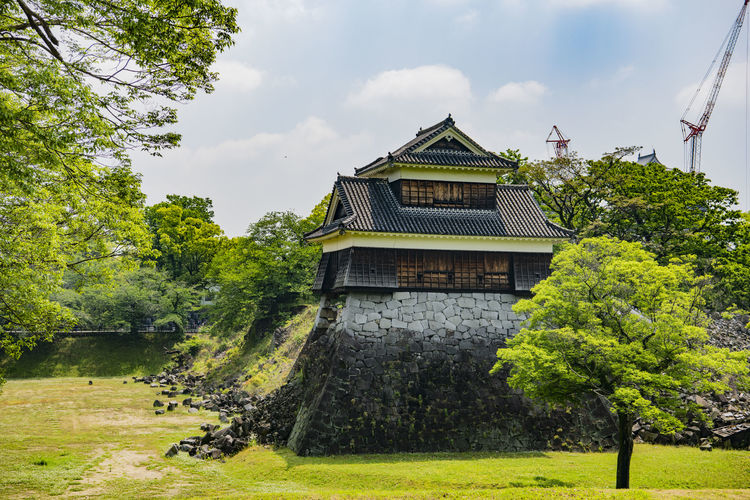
371	206
442	144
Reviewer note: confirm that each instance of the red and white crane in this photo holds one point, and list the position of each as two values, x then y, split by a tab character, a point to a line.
693	132
560	144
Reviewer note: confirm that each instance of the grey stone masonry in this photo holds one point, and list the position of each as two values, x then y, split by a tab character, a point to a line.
410	371
432	314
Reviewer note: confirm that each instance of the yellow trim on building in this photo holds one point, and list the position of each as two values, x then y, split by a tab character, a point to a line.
335	241
442	173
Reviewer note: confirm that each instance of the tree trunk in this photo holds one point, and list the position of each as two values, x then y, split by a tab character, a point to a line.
625	441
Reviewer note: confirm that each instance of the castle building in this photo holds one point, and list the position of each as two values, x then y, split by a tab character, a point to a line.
424	256
431	216
648	159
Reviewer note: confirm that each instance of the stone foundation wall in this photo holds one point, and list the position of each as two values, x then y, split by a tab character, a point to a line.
430	315
409	371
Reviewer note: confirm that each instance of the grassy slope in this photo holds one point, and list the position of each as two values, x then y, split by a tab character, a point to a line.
91	356
260	366
105	440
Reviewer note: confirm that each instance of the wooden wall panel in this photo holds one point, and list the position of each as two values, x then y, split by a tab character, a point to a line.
387	268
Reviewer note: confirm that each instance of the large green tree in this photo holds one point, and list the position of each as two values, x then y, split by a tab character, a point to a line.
613	322
82	82
264	275
671	212
131	299
185	238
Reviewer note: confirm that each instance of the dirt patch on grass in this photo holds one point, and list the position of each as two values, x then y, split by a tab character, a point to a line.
120	464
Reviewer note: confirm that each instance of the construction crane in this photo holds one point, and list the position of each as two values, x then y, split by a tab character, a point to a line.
692	133
560	144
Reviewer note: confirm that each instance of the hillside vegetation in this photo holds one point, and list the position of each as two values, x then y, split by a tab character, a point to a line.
110	356
261	364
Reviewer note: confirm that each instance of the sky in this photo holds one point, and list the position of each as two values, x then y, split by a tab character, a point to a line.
315	88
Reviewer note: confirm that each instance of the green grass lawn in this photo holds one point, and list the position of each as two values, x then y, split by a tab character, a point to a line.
106	356
63	437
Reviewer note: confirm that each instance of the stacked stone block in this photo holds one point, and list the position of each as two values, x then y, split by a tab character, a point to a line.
409	371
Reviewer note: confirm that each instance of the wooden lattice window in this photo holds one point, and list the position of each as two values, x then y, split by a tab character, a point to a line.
530	269
372	268
451	270
419	193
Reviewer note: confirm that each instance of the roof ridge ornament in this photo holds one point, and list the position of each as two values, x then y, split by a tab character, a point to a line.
450	121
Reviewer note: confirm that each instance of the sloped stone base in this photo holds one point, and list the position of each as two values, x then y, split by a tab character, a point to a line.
368	386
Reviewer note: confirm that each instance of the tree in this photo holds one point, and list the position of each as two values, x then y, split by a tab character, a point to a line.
564	189
671	212
82	82
132	299
185	238
611	321
263	276
732	268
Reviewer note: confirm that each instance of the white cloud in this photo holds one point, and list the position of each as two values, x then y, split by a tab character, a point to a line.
529	92
236	76
267	10
423	84
732	90
622	74
268	171
468	19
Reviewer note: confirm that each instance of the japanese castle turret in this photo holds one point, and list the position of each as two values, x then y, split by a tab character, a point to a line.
431	216
424	255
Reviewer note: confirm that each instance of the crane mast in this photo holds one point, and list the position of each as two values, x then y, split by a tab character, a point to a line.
693	133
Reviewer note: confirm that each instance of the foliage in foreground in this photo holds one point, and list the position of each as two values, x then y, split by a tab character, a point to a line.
81	83
612	322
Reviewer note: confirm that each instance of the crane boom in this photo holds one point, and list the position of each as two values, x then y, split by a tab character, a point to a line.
693	133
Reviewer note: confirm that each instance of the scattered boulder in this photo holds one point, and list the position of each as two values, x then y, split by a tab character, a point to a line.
172	451
159	412
91	382
158	403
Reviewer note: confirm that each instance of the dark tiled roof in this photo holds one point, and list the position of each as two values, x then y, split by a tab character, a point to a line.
371	206
647	159
407	154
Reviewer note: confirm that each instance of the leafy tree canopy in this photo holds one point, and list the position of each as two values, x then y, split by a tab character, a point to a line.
82	82
185	238
264	275
133	298
611	321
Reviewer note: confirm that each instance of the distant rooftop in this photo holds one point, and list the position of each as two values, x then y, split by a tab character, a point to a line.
650	158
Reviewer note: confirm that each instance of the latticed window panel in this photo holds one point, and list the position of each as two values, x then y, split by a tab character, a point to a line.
430	270
420	193
372	267
451	270
530	269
